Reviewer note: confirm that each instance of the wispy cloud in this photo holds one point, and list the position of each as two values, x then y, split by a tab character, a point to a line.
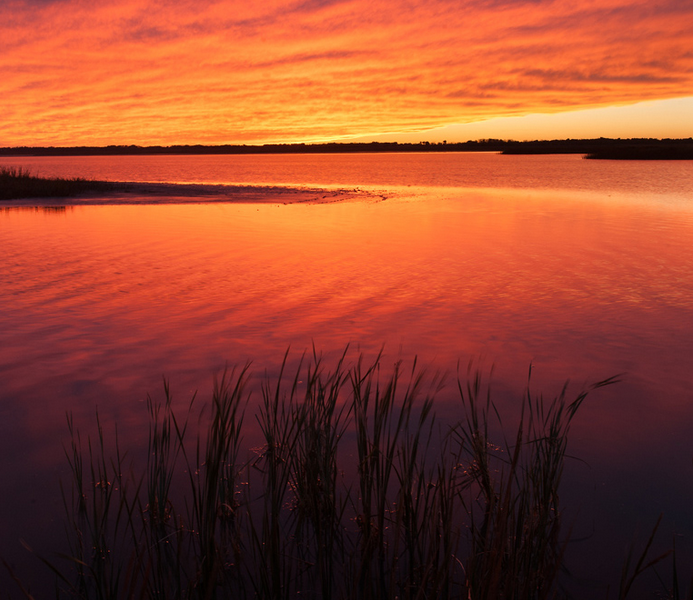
129	71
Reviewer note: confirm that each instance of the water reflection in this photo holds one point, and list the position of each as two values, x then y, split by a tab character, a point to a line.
666	179
96	307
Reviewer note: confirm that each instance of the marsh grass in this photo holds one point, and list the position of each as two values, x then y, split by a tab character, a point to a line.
17	183
358	491
515	543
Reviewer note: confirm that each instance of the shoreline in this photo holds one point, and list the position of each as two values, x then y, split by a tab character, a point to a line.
135	193
644	148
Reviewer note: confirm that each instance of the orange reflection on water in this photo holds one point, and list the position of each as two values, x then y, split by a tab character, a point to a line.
583	288
99	302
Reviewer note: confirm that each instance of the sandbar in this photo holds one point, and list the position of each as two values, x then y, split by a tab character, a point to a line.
195	193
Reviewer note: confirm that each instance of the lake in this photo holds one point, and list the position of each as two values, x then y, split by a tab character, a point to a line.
581	268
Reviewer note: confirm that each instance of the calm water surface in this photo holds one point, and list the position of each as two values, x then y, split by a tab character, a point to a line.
486	170
582	268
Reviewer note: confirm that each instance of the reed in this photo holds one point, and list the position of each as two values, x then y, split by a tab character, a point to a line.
17	183
512	493
357	492
320	506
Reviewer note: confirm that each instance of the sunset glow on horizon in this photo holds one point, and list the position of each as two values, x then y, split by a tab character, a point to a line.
184	72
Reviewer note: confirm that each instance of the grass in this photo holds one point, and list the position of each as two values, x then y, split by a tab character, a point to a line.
358	491
17	183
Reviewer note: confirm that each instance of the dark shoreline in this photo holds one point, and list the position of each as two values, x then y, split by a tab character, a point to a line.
21	186
120	193
600	148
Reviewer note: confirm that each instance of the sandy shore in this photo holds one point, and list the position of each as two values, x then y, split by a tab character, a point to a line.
169	193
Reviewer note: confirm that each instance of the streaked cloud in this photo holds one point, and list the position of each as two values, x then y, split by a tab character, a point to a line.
127	71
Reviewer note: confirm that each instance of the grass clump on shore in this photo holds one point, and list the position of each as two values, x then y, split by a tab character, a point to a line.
357	491
17	183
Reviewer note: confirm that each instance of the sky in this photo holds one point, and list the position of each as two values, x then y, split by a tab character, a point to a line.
84	72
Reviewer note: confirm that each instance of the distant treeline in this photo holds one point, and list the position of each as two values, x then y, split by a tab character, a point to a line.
607	148
637	148
490	145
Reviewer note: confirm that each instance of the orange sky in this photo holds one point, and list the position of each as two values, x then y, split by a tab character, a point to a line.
78	72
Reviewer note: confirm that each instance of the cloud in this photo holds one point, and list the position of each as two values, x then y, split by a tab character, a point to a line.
131	71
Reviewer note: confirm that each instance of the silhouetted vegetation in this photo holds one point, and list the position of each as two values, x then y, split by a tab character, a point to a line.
326	148
616	148
17	183
667	150
605	148
356	491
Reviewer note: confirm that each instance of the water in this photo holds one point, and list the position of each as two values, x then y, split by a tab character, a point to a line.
581	268
468	170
